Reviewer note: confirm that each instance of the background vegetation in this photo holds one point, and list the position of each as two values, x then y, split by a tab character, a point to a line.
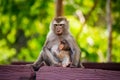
24	25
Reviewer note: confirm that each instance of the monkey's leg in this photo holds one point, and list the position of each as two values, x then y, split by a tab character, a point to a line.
52	59
75	58
66	62
36	65
81	65
76	61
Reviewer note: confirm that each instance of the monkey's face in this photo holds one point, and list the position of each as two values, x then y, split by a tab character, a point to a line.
59	29
59	26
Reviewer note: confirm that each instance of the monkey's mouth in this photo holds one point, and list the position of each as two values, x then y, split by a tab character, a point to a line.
59	32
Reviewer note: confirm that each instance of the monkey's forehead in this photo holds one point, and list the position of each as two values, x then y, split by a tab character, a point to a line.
61	22
60	19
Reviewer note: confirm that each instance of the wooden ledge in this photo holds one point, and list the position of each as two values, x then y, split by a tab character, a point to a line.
16	72
92	71
25	72
59	73
105	66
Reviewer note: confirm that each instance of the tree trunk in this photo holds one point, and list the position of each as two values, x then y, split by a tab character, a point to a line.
109	26
83	19
59	8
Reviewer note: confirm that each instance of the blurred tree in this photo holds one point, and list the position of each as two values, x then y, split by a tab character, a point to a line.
59	8
22	29
24	25
109	25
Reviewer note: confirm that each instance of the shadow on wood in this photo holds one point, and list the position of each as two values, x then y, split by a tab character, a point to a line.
105	66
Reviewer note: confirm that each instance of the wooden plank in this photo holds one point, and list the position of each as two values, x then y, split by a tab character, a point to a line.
59	73
25	72
16	72
105	66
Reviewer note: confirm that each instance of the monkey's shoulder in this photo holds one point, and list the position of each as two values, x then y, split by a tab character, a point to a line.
69	37
51	37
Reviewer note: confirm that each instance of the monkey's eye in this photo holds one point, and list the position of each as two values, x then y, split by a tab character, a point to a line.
55	24
61	24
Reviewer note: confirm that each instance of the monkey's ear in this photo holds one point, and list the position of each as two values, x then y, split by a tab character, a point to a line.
67	22
54	18
51	27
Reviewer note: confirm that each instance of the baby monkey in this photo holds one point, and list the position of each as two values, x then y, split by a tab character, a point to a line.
64	53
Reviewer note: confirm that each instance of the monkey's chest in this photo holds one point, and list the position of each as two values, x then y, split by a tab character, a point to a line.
54	49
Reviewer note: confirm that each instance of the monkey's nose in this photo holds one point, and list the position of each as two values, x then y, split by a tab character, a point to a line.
58	30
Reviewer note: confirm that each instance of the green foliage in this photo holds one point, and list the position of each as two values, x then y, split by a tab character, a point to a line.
24	25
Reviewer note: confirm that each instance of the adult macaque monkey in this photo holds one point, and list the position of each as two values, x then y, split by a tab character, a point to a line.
59	29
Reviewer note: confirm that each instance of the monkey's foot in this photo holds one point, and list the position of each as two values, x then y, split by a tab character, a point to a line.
43	64
72	66
57	65
66	65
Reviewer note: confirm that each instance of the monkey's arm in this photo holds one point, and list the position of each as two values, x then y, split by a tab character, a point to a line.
45	56
76	53
47	49
40	58
36	65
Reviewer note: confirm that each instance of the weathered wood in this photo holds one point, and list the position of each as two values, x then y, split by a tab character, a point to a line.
21	63
105	66
16	72
25	72
59	73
